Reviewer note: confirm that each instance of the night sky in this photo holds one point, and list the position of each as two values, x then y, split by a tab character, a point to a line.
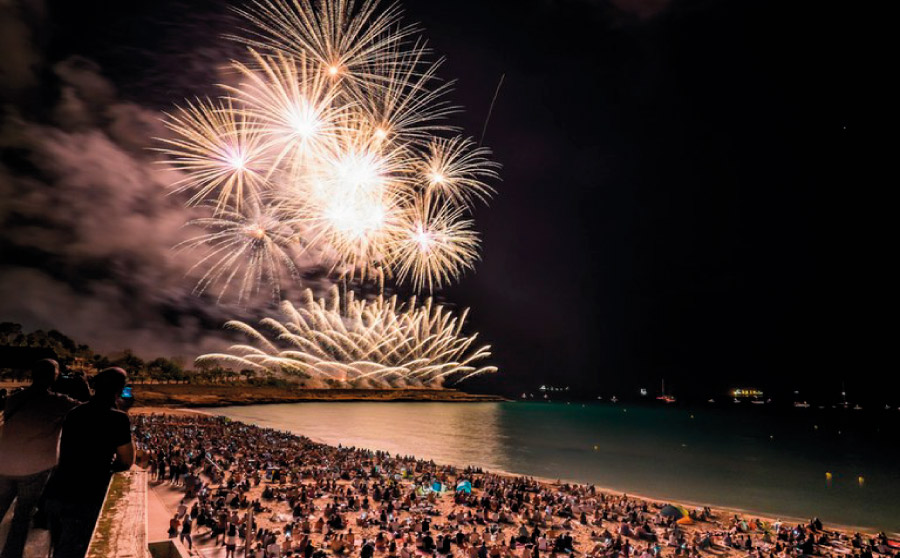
685	194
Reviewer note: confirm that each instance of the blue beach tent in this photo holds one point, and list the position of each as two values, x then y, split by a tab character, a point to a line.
465	486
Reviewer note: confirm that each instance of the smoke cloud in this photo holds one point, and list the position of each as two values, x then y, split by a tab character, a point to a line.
88	224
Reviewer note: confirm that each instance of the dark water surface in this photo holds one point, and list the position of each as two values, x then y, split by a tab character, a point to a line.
753	459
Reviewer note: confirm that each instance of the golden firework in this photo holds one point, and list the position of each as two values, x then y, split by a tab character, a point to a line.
219	151
433	245
380	341
333	144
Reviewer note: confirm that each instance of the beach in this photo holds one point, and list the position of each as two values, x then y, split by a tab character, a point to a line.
609	519
239	393
754	459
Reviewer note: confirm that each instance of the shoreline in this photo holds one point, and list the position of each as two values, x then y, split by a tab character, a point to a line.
238	394
721	512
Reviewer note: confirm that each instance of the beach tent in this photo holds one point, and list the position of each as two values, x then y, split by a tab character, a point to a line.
674	511
464	486
437	487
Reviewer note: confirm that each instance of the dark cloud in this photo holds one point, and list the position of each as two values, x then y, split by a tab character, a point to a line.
20	60
89	229
89	222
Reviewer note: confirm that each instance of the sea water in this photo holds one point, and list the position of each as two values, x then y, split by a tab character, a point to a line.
839	466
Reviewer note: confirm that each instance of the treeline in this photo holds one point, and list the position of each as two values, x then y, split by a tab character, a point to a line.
75	357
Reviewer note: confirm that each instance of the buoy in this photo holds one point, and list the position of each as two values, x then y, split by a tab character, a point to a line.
596	448
692	416
862	480
815	427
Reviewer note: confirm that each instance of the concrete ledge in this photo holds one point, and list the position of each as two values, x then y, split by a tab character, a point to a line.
121	530
168	549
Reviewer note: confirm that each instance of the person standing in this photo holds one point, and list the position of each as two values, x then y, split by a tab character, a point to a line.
29	442
95	442
186	529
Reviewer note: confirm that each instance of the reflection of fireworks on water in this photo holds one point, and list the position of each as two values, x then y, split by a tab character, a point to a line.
333	145
378	341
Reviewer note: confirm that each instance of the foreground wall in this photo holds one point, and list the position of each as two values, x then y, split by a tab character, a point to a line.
121	529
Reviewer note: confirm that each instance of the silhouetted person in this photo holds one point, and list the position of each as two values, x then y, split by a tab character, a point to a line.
28	449
95	442
74	385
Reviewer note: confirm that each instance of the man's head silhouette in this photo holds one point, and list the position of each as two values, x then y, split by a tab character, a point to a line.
44	373
108	384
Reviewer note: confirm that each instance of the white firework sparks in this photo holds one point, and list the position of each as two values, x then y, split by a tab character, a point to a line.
378	340
334	145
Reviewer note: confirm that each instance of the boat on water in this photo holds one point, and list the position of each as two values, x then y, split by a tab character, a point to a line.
801	405
857	407
711	401
614	399
665	398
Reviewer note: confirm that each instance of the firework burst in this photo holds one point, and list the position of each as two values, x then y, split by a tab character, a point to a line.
434	245
336	126
248	245
347	39
458	170
219	152
334	145
378	341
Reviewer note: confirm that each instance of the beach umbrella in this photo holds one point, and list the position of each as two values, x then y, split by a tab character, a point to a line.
673	511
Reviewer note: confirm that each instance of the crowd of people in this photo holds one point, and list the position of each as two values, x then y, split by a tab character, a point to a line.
272	494
263	493
57	454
